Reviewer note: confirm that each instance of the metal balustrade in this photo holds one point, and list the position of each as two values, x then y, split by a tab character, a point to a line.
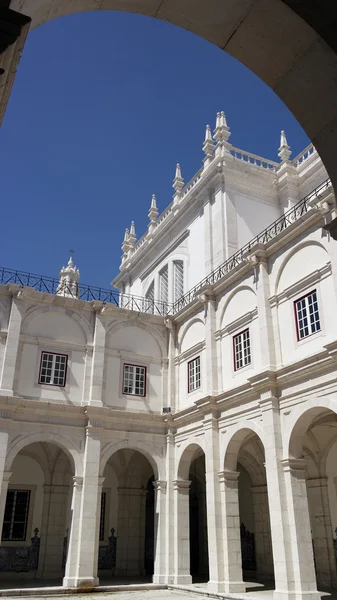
89	293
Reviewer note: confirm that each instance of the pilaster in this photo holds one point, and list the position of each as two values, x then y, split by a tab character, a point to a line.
159	575
12	343
266	333
97	368
181	532
4	478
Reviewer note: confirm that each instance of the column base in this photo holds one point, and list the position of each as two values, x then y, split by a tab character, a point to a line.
234	587
215	586
159	579
6	393
182	579
80	583
293	595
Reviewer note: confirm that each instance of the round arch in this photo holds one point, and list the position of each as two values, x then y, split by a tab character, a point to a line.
185	329
301	420
151	453
59	440
114	327
289	256
306	66
224	302
187	454
234	440
80	320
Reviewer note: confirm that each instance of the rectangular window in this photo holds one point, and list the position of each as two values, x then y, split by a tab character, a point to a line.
102	517
134	380
307	315
149	299
53	369
178	279
242	353
163	285
194	380
16	515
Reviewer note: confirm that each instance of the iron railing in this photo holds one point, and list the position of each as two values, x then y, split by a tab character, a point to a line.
49	285
288	218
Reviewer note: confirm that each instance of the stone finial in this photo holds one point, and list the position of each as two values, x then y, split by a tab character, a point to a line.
208	146
132	235
221	131
125	245
69	278
178	182
153	212
284	150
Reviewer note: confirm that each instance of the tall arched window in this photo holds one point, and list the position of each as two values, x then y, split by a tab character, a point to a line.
149	299
178	279
163	284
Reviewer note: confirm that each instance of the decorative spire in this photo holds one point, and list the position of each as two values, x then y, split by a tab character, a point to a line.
125	245
69	278
132	235
178	182
208	146
222	131
153	212
284	149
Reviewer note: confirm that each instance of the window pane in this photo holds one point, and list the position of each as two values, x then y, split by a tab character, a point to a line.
163	284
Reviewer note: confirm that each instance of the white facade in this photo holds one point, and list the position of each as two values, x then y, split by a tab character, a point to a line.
190	440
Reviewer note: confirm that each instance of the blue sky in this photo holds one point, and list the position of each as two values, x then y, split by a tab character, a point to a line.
103	106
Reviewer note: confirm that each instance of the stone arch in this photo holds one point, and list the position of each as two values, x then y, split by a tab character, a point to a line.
35	311
59	440
291	254
224	302
190	451
255	470
234	440
114	327
186	328
151	453
300	421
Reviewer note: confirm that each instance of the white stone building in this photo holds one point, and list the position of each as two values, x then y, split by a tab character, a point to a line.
186	429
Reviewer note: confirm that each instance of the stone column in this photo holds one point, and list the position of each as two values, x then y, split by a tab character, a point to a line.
4	476
84	575
171	370
211	350
229	488
319	509
73	534
131	532
263	546
159	575
303	582
98	358
170	507
12	345
213	500
181	530
266	334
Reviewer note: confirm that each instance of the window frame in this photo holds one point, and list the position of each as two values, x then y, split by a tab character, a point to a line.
128	364
305	337
56	385
26	522
190	391
239	334
102	516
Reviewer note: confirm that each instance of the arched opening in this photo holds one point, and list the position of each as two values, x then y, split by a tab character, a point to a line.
245	457
313	442
37	515
127	522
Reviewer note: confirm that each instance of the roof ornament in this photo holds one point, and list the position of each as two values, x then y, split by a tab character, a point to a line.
178	184
284	150
208	147
153	212
221	133
132	235
68	279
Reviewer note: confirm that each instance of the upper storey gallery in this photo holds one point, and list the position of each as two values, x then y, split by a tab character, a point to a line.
231	199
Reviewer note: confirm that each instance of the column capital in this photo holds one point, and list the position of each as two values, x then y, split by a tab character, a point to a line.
268	402
317	482
259	489
182	485
101	480
295	466
6	476
159	485
226	476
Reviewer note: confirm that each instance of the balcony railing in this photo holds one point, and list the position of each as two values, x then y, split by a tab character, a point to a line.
288	218
49	285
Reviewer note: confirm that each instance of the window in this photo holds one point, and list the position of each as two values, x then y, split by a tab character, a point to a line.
307	315
53	369
178	279
163	284
16	515
102	517
242	354
149	299
134	378
194	374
